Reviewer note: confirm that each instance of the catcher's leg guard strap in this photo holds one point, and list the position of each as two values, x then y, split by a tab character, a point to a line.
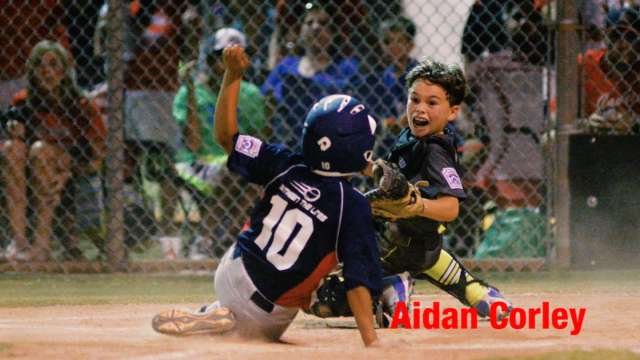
451	276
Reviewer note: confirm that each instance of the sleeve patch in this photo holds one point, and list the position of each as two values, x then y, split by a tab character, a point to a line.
451	176
248	145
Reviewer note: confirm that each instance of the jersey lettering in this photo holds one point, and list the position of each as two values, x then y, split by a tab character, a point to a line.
290	236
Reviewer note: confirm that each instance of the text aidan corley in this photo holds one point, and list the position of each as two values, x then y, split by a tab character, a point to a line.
449	318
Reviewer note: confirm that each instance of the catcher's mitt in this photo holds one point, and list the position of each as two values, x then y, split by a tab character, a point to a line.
395	198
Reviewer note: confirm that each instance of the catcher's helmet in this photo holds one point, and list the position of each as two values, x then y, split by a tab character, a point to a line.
338	136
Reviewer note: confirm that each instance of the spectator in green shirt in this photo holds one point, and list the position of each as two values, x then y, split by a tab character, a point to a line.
201	163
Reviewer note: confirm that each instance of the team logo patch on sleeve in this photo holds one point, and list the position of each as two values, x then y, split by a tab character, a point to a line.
248	145
451	176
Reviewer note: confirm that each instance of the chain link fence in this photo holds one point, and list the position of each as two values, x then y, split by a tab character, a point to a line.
107	152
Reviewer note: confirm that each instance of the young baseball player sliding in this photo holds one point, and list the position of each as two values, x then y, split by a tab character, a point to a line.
309	219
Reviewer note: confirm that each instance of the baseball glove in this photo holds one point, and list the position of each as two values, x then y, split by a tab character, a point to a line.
395	198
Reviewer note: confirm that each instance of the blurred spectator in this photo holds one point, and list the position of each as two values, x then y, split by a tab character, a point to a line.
22	25
618	111
592	15
57	132
202	162
383	91
80	21
159	35
528	32
298	81
256	19
507	108
485	30
351	19
493	26
155	37
506	100
593	81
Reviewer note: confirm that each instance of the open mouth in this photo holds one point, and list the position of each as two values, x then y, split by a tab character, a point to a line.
419	122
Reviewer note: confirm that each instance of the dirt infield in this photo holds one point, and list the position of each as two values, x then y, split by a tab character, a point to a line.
124	331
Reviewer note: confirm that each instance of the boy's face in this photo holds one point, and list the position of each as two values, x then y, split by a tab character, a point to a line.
397	45
428	109
315	30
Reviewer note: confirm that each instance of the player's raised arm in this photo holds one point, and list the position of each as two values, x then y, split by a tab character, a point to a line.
226	122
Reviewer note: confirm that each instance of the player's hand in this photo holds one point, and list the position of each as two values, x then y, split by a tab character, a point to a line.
375	344
389	344
235	60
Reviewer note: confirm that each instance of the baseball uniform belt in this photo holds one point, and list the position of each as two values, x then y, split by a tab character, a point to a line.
257	298
262	302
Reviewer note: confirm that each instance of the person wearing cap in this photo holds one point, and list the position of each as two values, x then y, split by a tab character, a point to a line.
618	111
297	81
201	162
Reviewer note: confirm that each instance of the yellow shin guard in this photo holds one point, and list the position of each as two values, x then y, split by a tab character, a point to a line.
446	274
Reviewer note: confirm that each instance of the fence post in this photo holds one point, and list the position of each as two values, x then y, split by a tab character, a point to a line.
115	153
567	85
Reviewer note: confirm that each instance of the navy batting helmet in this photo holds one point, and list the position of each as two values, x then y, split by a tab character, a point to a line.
338	136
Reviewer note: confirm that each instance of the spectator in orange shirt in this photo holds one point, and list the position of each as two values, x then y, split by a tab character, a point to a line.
57	132
593	80
22	25
618	111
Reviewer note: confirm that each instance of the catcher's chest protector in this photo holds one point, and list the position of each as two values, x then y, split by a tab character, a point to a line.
413	155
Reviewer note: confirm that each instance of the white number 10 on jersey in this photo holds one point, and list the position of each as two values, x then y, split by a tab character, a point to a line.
283	252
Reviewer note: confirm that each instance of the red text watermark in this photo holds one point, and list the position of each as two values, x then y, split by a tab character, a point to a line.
448	318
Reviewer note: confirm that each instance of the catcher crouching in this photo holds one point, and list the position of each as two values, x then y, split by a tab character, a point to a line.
418	190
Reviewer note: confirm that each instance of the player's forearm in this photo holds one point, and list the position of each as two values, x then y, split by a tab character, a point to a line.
443	209
361	306
226	122
192	130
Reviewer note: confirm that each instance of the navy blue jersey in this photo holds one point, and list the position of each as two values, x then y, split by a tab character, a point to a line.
432	159
303	226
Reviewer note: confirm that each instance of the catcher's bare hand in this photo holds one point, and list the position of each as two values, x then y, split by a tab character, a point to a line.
235	60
